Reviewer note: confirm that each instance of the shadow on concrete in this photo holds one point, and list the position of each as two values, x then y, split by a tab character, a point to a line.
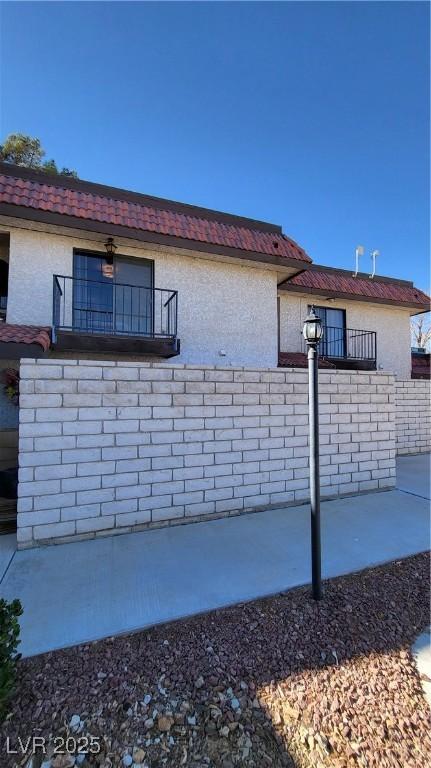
284	650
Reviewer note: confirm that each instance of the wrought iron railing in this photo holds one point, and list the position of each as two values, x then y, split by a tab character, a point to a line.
110	308
347	344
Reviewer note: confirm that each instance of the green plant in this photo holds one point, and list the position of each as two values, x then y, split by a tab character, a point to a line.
9	640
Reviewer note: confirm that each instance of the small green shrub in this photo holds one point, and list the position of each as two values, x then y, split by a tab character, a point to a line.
9	640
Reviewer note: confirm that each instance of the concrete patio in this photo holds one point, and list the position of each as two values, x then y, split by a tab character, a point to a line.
73	593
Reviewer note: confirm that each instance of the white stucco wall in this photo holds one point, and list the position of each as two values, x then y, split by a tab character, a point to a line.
392	325
221	306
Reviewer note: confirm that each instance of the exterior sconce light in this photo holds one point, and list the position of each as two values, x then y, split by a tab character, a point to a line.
110	247
108	266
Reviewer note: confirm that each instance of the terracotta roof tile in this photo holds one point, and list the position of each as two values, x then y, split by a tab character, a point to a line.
336	282
25	334
135	215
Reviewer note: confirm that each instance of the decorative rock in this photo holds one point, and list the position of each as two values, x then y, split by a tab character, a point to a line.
75	724
165	723
138	755
370	705
63	761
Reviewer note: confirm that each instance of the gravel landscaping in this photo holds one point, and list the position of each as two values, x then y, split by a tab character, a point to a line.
278	682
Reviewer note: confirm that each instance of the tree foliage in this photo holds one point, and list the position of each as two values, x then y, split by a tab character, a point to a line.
27	151
421	331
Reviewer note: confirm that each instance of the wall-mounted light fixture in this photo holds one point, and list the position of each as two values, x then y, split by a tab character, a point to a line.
110	246
108	266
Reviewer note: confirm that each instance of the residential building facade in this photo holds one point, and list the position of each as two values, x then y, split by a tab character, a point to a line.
153	335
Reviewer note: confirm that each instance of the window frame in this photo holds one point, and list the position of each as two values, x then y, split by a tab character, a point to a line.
324	343
90	252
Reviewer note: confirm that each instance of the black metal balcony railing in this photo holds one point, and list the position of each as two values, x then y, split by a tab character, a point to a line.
347	344
114	309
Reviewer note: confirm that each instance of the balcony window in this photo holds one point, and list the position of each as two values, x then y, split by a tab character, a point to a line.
345	347
110	304
333	343
108	297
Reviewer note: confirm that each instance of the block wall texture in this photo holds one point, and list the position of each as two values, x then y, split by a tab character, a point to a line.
413	416
109	447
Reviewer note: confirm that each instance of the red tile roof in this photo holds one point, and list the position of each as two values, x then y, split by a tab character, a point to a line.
25	334
340	282
299	360
54	198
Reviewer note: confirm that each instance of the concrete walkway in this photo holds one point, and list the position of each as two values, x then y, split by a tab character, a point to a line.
7	550
83	591
413	474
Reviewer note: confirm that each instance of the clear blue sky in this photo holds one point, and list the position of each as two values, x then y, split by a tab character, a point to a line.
311	115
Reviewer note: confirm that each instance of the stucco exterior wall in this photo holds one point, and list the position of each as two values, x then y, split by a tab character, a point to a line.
222	307
106	447
392	325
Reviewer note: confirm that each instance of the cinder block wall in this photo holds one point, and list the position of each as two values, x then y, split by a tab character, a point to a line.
413	416
108	447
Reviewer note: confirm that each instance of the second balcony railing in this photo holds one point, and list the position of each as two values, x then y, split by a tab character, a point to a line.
347	344
115	309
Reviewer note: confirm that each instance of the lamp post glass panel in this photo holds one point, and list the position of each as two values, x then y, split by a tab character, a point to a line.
313	332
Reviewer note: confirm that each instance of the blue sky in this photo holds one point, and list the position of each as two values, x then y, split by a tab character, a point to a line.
311	115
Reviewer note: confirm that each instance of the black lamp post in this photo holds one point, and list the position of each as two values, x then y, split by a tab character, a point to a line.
313	332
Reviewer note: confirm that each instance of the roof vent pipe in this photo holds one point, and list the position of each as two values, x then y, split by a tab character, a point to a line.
374	255
359	252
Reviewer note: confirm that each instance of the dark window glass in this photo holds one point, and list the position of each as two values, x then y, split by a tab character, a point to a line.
112	295
333	343
93	293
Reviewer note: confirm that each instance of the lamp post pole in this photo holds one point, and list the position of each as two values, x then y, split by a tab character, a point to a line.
313	401
312	334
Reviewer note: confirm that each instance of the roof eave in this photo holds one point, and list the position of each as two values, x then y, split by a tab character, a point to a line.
417	307
89	225
116	193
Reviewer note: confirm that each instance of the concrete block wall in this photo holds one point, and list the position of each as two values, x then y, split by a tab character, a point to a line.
413	416
108	447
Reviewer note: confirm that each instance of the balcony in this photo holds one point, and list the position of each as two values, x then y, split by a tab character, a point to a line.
105	316
348	348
